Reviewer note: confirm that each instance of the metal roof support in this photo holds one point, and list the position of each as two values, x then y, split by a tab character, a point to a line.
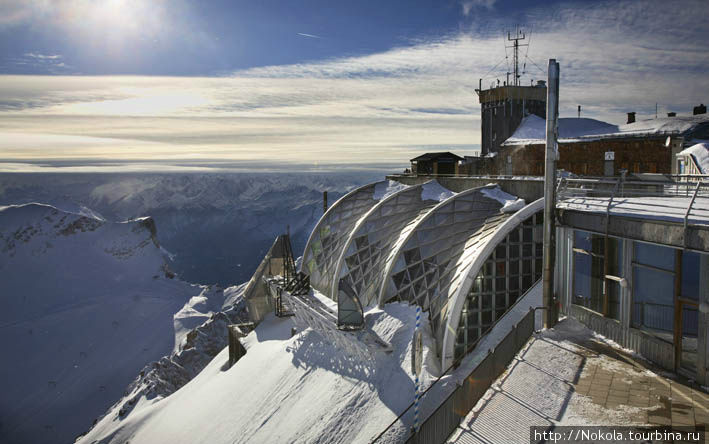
552	153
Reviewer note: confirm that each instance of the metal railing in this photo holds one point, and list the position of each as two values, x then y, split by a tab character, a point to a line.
664	185
673	195
446	418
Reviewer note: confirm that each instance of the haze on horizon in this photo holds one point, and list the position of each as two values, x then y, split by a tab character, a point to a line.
161	85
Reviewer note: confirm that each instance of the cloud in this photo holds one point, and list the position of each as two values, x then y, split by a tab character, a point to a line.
383	107
42	63
469	5
312	36
33	55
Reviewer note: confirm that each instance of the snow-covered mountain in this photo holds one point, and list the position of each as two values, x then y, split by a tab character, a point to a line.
217	226
85	305
295	389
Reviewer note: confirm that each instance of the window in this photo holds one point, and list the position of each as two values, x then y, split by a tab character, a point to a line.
598	270
512	268
653	287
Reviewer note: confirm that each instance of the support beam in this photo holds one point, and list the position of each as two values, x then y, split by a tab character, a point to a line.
552	153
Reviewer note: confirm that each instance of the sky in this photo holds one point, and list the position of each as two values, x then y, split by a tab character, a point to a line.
158	84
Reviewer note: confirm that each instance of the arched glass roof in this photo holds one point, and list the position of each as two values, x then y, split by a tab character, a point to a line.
426	268
474	252
378	234
325	244
512	253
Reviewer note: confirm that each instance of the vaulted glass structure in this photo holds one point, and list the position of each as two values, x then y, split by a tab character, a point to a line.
325	244
465	257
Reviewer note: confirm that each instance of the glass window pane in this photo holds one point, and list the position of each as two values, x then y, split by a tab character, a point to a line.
655	255
653	299
690	275
582	240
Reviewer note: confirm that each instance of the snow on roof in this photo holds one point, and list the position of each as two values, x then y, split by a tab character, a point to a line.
700	154
532	129
383	190
510	203
434	191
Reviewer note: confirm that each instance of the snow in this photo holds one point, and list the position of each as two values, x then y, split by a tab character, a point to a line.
209	222
510	203
434	191
532	129
671	208
285	389
86	304
700	153
385	189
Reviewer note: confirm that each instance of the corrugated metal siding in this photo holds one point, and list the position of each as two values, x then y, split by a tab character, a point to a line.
651	348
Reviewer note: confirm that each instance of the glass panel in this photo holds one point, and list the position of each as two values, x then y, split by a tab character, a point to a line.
588	271
690	275
655	255
653	299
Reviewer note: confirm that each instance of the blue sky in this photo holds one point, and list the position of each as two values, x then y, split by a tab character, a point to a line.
183	37
317	81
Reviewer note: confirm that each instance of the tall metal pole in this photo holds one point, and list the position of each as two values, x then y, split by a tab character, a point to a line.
552	153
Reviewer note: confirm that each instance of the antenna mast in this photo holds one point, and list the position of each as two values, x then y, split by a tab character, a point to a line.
518	35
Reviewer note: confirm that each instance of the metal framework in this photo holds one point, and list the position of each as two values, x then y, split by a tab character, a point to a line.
325	244
458	256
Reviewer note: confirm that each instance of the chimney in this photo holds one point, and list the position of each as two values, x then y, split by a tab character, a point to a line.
672	114
701	109
631	117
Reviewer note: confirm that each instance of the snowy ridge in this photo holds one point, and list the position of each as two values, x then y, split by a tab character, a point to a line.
285	389
86	304
216	226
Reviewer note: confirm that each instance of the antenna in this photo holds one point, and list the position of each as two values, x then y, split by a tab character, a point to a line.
518	35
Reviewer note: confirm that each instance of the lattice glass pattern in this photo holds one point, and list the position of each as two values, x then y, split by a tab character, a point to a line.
371	245
427	269
511	270
331	233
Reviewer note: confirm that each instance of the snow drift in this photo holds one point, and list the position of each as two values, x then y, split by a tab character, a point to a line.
285	389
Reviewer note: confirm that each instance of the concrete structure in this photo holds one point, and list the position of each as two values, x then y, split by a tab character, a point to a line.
502	109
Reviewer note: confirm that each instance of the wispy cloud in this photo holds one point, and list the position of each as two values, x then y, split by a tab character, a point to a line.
469	5
382	107
37	56
312	36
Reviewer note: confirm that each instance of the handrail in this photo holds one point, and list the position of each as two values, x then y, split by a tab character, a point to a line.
686	215
455	364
